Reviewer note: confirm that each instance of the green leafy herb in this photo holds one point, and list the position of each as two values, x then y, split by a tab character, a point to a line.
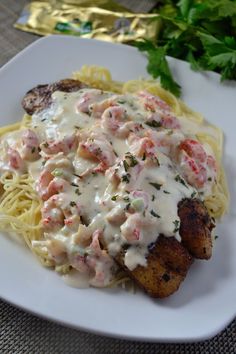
77	191
176	224
45	144
153	198
200	32
132	159
166	192
153	124
114	197
156	185
126	165
193	195
126	178
74	184
33	149
179	179
153	213
158	66
72	203
126	198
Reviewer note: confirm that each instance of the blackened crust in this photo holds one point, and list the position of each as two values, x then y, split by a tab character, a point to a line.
167	265
40	97
195	228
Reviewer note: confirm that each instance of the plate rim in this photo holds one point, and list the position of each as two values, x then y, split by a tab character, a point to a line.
212	332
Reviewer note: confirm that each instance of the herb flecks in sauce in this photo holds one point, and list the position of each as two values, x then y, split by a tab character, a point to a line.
120	191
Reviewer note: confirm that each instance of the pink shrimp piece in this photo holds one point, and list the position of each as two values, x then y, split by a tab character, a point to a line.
30	144
114	120
48	185
57	185
99	108
84	102
195	173
79	262
131	230
95	244
56	210
142	146
52	216
211	163
194	149
42	184
98	150
15	160
73	222
99	261
170	122
152	103
159	140
66	145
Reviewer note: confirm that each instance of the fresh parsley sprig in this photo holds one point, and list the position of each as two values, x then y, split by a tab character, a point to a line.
200	32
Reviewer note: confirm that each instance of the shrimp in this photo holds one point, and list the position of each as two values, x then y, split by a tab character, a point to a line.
132	229
66	145
99	262
114	120
194	162
60	163
169	121
57	209
211	162
194	149
48	185
85	100
153	103
163	119
30	142
194	172
15	160
97	149
98	108
142	146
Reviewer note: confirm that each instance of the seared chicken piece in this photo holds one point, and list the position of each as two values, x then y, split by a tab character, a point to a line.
195	228
167	265
40	96
168	260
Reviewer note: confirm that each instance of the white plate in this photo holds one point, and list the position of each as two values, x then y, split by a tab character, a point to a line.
205	303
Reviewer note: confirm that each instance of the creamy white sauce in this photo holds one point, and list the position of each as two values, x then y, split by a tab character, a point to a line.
129	199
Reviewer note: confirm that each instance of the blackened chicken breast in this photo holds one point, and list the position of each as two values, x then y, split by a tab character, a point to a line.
40	97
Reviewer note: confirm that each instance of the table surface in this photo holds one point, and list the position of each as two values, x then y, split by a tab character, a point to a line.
21	332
